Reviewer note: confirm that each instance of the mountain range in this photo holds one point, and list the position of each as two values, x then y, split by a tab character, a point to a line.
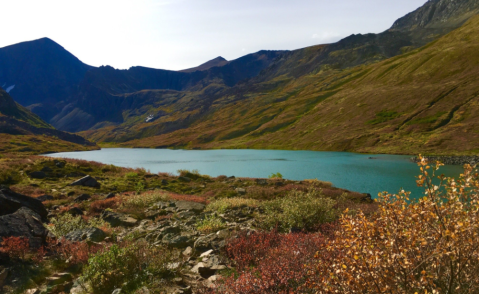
411	88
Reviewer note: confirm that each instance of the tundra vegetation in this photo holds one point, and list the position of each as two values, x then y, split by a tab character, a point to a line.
197	234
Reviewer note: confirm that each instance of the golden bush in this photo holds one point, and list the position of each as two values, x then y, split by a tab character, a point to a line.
430	245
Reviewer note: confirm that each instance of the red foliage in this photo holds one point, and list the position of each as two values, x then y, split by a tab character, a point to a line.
100	205
74	252
270	263
192	198
15	247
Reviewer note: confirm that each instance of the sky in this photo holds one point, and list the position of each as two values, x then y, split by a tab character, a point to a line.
179	34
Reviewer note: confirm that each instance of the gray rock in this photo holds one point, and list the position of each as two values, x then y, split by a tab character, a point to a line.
176	241
44	198
110	195
89	234
191	206
38	175
10	202
240	191
188	251
75	211
116	291
87	181
60	164
184	179
82	197
118	219
206	242
24	223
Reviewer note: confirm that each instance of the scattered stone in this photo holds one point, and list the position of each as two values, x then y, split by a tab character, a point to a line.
87	181
188	251
207	253
44	198
59	278
60	164
110	195
82	197
116	291
10	202
241	191
117	219
3	276
184	179
89	234
261	182
206	242
191	206
176	241
38	175
75	211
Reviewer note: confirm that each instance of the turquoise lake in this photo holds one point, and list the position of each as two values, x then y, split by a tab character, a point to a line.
363	173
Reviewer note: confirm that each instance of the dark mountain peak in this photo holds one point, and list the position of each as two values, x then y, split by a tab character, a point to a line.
438	14
7	104
216	62
40	71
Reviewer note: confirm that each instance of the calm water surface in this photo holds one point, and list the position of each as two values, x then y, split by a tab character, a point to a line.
352	171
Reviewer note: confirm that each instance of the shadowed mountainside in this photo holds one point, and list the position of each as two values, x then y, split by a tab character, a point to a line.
17	120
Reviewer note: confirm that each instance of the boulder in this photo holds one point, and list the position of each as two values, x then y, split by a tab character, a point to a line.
118	219
177	241
241	191
82	197
60	164
75	211
184	179
110	195
87	181
207	242
188	205
44	198
24	223
10	202
38	175
89	234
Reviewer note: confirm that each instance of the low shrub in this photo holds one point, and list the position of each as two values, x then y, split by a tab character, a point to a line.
15	247
269	263
275	176
144	200
424	246
224	204
210	224
65	223
100	205
125	266
302	210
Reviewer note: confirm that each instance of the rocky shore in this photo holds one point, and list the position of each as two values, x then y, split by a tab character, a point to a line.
451	160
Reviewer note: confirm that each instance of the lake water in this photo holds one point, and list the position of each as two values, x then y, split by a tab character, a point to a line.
352	171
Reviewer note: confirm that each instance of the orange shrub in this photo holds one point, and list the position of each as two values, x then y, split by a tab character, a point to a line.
425	246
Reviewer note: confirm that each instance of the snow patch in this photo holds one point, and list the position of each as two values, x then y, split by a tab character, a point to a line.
10	88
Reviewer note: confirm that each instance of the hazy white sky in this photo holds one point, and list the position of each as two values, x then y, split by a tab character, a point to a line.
178	34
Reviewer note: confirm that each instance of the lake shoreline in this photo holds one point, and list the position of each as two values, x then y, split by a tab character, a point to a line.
451	160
